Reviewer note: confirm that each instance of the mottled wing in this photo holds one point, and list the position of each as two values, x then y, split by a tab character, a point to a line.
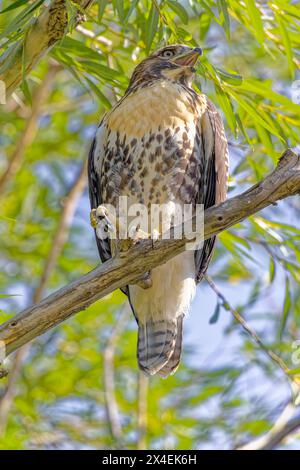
221	153
215	179
95	190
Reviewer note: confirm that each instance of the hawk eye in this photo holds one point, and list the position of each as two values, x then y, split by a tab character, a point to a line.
168	53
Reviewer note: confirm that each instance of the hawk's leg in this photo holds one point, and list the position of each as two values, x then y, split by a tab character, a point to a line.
135	235
102	221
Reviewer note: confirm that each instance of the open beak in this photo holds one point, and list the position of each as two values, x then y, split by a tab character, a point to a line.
189	58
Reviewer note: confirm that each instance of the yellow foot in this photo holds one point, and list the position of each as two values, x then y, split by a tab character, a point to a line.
93	218
100	214
135	235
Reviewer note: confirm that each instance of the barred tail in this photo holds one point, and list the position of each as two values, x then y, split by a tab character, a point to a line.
171	366
159	346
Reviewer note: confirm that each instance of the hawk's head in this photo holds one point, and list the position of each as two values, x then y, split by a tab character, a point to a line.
175	62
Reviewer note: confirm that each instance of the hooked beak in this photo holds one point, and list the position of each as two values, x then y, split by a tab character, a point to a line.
189	58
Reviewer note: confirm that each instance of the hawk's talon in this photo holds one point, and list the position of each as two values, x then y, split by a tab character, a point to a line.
97	215
135	236
93	218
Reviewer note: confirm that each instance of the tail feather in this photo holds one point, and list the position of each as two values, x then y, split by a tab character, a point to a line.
171	366
159	346
156	342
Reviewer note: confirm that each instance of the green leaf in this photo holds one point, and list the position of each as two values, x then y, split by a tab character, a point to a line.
272	270
14	5
204	24
242	128
184	34
179	10
63	59
133	5
7	219
209	10
4	296
26	90
106	103
223	10
215	317
231	78
256	114
295	371
262	89
287	43
151	26
101	7
102	71
78	48
292	10
286	308
119	6
227	108
22	17
256	20
265	138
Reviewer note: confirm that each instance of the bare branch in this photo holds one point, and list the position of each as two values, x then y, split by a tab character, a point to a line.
42	35
29	133
287	423
8	396
69	206
111	405
59	239
95	37
142	411
124	269
238	317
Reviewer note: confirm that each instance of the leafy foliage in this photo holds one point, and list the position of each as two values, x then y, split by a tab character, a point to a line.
223	394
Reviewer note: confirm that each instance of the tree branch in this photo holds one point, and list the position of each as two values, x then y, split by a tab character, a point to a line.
142	411
98	38
43	34
239	319
124	269
287	423
39	99
111	405
69	206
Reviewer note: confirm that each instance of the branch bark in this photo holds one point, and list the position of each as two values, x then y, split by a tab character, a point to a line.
43	34
124	269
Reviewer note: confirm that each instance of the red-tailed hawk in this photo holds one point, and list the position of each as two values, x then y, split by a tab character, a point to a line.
162	143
